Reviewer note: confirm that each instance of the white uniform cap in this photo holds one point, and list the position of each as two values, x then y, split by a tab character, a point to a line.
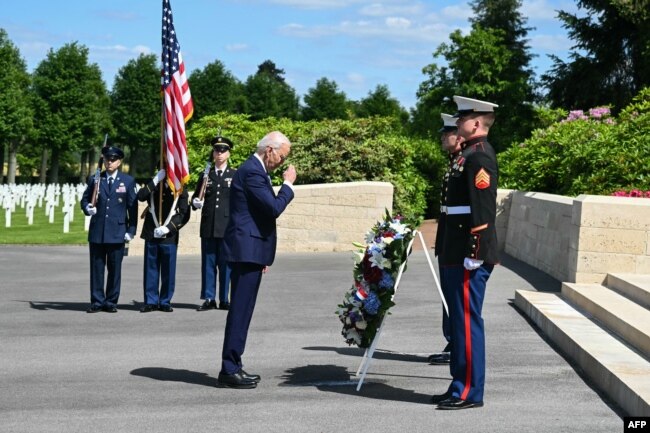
469	105
448	122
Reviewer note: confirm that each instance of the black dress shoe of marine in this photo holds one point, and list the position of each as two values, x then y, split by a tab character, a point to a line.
166	308
148	308
437	398
455	403
110	308
224	306
209	304
94	309
439	358
254	377
236	380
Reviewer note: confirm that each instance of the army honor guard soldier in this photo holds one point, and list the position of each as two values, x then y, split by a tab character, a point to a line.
469	252
213	198
160	233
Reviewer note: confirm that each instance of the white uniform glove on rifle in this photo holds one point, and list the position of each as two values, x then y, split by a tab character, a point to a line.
91	210
197	203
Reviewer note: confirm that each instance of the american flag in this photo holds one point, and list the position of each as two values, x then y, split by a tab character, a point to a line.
178	106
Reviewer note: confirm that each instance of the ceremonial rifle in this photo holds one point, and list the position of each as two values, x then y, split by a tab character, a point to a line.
204	184
93	198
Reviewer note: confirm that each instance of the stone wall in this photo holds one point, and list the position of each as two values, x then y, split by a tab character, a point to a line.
579	240
321	217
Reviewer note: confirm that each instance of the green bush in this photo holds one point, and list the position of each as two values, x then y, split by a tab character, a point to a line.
584	154
328	151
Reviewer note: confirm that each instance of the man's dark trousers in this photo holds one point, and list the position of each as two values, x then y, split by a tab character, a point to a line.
109	257
245	279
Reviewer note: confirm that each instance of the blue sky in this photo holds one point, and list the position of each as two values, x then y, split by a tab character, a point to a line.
357	43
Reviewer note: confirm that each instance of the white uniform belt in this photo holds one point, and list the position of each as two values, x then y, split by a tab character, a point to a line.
455	210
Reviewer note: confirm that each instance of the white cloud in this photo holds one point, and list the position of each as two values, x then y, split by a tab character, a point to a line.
538	10
317	4
380	9
462	12
398	22
355	78
237	47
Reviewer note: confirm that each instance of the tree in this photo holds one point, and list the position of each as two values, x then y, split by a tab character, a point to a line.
324	101
490	63
268	95
16	112
610	61
214	89
136	110
72	104
379	102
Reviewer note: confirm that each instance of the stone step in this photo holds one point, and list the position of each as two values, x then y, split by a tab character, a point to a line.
619	372
634	286
627	319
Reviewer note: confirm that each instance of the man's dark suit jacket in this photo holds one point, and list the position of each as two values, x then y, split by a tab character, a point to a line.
251	233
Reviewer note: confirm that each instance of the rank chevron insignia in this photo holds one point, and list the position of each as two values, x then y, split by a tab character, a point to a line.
482	179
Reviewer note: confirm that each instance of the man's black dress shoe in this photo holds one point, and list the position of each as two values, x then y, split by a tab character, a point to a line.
455	403
166	308
254	377
110	309
94	309
224	306
437	398
148	308
439	358
236	380
209	304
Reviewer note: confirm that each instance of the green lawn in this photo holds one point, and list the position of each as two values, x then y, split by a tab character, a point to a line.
41	231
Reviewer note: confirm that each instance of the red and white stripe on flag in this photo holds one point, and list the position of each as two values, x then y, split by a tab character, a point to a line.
178	107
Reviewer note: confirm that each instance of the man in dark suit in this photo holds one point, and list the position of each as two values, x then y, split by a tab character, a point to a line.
215	205
114	221
249	245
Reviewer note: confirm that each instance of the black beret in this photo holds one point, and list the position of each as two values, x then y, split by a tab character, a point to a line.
113	151
222	141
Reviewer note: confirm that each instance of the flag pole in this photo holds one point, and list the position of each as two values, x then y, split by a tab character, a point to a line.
162	165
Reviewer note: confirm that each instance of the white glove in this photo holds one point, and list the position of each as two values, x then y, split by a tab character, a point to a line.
127	237
158	177
471	264
197	203
91	210
160	232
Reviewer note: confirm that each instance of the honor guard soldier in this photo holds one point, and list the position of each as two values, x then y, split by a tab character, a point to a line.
160	233
110	199
213	198
450	143
469	251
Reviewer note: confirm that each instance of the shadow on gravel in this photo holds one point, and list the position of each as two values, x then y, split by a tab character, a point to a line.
175	375
379	353
83	306
334	378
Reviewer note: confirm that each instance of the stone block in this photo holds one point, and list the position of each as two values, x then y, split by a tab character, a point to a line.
612	212
608	240
592	262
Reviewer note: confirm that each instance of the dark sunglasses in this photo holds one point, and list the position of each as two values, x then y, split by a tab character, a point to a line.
112	158
221	149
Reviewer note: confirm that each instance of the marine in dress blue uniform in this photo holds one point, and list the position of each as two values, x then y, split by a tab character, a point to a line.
215	213
451	144
161	242
114	221
250	243
469	251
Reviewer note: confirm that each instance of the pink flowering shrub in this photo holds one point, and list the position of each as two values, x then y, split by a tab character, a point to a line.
633	193
598	113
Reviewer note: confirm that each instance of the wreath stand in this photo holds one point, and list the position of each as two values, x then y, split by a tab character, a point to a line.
367	356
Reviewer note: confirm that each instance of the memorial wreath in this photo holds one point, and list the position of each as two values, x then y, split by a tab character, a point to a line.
376	268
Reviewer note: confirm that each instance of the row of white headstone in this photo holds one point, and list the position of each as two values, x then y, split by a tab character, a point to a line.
30	196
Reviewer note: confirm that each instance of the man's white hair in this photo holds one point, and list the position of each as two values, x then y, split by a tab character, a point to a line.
272	139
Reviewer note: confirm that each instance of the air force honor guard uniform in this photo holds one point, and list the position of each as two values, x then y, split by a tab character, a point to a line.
114	221
215	213
469	251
